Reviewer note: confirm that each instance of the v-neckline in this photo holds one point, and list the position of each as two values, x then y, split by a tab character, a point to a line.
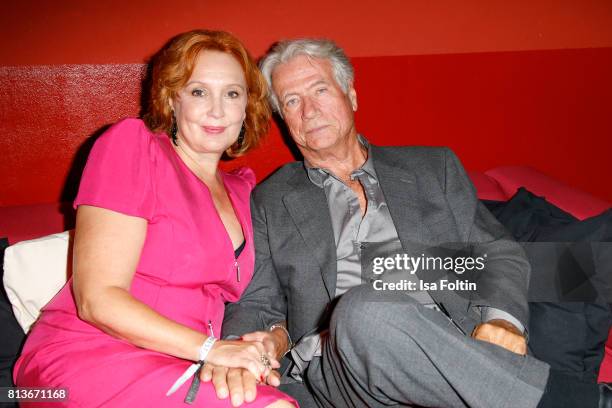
229	193
237	213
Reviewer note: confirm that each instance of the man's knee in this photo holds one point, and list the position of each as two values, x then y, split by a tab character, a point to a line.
364	311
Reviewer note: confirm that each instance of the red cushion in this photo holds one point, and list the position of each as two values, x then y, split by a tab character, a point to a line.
23	222
605	371
486	187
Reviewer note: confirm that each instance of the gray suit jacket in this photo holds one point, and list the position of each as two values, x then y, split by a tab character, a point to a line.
431	200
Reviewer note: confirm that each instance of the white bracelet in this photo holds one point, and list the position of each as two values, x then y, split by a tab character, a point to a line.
203	353
206	347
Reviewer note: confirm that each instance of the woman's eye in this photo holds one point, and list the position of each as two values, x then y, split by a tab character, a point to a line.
197	92
233	94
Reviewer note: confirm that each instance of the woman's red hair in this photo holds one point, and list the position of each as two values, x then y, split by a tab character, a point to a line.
172	67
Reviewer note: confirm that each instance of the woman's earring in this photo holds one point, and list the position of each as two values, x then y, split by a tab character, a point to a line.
174	130
240	139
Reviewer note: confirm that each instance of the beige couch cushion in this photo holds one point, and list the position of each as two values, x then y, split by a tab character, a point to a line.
34	271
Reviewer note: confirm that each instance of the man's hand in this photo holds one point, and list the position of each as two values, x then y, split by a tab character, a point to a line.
502	333
275	342
238	383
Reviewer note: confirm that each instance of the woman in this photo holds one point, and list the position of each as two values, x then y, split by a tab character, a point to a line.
163	239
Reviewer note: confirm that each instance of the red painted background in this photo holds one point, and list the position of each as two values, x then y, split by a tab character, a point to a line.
499	82
34	32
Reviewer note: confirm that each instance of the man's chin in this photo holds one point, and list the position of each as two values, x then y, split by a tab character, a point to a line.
321	141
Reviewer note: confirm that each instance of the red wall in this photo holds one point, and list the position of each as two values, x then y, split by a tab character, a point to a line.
546	109
499	82
119	31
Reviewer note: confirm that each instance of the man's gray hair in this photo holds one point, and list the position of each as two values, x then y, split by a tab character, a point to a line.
284	51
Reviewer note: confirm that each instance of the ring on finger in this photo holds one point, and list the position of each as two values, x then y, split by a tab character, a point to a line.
265	361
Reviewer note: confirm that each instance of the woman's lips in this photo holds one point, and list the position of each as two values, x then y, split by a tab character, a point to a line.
214	129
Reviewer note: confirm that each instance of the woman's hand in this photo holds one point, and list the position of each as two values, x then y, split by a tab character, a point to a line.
242	354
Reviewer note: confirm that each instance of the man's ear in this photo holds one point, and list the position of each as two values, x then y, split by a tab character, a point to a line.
352	94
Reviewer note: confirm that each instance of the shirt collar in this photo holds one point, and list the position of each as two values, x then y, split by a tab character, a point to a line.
318	175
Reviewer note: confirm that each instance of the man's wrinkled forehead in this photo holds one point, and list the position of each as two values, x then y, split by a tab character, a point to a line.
301	71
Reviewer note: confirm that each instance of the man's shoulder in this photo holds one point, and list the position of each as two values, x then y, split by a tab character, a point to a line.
412	156
425	151
278	182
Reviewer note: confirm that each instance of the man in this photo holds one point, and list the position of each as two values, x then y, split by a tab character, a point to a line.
313	223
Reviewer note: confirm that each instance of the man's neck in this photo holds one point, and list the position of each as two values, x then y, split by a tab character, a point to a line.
340	160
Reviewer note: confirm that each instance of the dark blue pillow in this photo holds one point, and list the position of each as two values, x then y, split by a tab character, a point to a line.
568	335
11	335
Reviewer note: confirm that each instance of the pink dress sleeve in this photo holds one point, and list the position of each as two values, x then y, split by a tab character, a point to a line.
118	174
248	175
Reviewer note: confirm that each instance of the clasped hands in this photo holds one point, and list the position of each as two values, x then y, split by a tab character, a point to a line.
240	382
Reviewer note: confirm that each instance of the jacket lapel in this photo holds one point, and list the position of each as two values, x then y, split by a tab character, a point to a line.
399	187
307	206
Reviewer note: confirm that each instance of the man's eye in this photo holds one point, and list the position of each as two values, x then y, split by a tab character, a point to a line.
291	102
197	92
321	90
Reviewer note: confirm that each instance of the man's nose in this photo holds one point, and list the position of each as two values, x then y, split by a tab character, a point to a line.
309	108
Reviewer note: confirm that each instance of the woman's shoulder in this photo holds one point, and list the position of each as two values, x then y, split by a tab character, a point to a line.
130	130
129	136
120	170
243	175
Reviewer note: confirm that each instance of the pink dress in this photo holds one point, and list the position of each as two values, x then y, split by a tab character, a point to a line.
186	272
